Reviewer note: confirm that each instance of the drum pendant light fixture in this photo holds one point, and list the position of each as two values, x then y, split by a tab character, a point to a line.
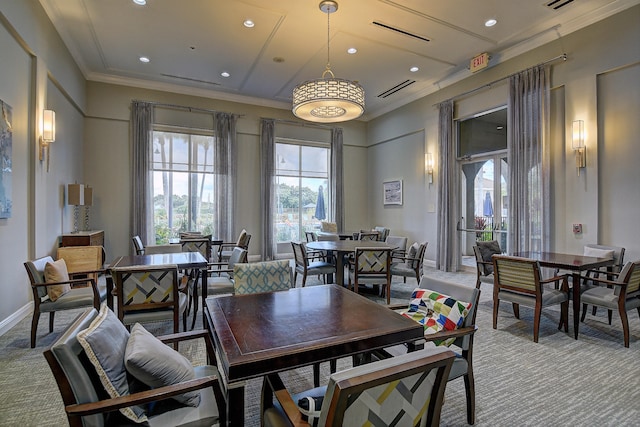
328	99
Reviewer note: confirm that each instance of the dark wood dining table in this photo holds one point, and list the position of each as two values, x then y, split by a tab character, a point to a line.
258	334
343	247
184	260
573	263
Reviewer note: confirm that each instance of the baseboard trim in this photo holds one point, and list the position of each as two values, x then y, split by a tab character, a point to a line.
16	317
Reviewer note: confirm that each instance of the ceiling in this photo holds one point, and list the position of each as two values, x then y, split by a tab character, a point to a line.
190	43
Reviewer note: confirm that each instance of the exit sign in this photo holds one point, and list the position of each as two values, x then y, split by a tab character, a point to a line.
479	62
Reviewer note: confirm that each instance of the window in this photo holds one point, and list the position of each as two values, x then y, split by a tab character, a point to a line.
182	182
302	191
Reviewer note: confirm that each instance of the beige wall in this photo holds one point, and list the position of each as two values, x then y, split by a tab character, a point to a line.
602	59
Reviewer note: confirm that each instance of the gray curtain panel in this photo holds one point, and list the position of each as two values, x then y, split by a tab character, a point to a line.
225	179
141	135
528	158
337	178
267	160
447	258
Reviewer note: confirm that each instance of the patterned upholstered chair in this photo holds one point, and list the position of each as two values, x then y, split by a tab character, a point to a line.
367	235
200	244
371	266
410	265
266	276
73	298
305	265
149	294
518	280
622	294
402	390
87	401
328	227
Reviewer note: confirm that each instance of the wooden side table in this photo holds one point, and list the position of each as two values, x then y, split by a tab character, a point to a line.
83	238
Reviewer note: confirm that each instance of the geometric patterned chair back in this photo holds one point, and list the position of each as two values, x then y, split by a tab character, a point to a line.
258	277
390	391
201	244
368	235
372	261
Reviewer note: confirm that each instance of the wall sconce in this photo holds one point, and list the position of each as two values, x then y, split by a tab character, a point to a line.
76	198
577	143
428	164
48	131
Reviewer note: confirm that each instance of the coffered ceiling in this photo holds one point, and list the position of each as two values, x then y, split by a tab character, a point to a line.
189	43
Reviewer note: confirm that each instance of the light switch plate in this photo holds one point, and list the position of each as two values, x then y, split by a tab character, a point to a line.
577	228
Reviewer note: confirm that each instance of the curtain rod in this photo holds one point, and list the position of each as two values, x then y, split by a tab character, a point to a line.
182	107
487	85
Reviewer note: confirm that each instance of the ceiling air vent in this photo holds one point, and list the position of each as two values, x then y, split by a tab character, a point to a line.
557	4
190	79
400	31
396	88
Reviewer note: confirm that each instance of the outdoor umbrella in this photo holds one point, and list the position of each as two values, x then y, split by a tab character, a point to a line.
487	208
320	209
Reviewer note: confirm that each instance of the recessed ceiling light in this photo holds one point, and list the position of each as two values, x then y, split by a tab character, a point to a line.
140	2
414	69
352	50
249	23
490	22
225	74
144	59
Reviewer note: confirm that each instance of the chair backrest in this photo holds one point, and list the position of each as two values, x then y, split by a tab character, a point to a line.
383	233
76	378
372	262
310	236
484	250
138	245
190	234
416	260
399	390
328	237
243	239
151	288
35	270
368	235
238	256
630	275
458	292
516	274
600	250
81	258
329	227
266	276
201	244
299	254
399	241
162	249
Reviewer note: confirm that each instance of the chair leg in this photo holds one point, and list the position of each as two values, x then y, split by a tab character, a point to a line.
536	321
316	374
470	389
193	301
295	278
625	325
304	280
496	304
584	312
516	310
51	316
34	326
564	316
610	315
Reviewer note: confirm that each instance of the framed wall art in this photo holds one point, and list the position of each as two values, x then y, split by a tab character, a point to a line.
5	161
392	192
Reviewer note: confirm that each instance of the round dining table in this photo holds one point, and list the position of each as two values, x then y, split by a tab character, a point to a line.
342	248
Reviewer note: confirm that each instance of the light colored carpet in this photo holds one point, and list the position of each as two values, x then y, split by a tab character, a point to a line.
557	382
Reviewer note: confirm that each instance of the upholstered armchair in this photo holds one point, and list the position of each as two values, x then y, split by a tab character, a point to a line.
406	390
225	248
185	395
54	291
266	276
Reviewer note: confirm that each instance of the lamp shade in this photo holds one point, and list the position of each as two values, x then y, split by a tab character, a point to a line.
328	100
75	194
88	195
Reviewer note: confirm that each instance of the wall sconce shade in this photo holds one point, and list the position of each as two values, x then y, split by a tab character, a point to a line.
577	143
76	194
48	130
428	164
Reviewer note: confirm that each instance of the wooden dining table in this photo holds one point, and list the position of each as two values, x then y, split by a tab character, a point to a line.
576	264
343	247
258	334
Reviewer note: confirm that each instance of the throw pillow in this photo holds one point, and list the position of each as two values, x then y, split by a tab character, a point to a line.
56	272
437	312
413	252
156	364
104	342
487	250
598	253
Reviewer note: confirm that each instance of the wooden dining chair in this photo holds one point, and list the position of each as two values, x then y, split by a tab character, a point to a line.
371	266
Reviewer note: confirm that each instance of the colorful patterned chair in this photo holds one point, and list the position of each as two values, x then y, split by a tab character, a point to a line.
402	390
266	276
149	294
